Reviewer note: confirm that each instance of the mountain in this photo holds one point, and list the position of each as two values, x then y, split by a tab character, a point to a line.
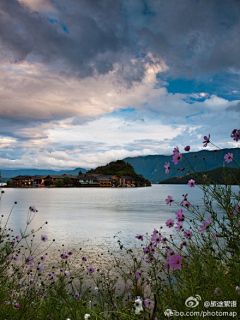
152	166
120	168
218	176
7	174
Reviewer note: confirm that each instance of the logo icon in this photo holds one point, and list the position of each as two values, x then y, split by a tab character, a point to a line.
192	302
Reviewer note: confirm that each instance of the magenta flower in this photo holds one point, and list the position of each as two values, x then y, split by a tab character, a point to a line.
176	158
31	281
146	250
180	215
63	255
70	253
187	204
235	135
156	238
17	305
84	258
29	260
191	183
39	267
147	303
184	199
164	240
204	177
155	231
187	148
175	261
206	140
228	157
138	274
179	226
52	276
44	238
90	269
32	208
67	274
139	237
42	258
169	200
188	234
205	225
170	223
152	250
184	243
167	167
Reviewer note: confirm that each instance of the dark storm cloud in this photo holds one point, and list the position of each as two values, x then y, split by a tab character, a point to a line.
192	36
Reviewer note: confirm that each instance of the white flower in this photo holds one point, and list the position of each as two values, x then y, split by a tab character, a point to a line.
96	288
138	306
87	315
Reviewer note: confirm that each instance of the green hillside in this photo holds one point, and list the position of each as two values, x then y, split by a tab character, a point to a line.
218	176
121	168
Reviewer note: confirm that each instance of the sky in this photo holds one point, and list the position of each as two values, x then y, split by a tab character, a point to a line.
86	82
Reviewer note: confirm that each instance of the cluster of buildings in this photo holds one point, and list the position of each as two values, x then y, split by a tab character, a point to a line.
87	180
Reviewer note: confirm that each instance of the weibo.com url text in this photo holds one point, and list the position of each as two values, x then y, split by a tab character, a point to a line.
203	314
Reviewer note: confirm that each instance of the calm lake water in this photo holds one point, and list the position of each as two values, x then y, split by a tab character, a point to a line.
92	216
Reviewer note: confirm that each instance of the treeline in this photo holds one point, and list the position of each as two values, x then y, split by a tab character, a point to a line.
217	176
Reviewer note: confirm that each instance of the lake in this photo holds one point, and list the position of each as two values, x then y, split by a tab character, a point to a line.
92	216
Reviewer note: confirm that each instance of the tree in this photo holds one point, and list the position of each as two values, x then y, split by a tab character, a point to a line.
9	183
59	183
67	180
80	173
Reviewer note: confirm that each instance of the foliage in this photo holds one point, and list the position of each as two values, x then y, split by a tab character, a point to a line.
67	180
9	183
120	168
59	183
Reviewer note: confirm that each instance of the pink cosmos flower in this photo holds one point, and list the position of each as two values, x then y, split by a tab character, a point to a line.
17	305
84	258
184	199
179	226
29	260
206	140
169	200
188	234
138	274
147	303
156	238
44	238
164	240
52	276
176	158
39	267
67	274
70	253
42	257
175	262
180	215
139	237
146	250
187	148
187	204
228	157
167	167
32	208
63	255
205	225
90	269
31	281
170	223
235	135
191	183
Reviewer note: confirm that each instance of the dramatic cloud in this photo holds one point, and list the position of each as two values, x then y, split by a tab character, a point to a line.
84	82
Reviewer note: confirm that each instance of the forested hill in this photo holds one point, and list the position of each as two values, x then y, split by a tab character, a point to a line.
152	166
120	168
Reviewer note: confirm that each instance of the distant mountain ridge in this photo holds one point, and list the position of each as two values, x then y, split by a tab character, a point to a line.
8	174
151	167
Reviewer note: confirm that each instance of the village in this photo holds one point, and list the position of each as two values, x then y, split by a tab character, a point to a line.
67	180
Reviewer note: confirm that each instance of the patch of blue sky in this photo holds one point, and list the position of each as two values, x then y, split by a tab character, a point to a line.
64	28
123	112
224	85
